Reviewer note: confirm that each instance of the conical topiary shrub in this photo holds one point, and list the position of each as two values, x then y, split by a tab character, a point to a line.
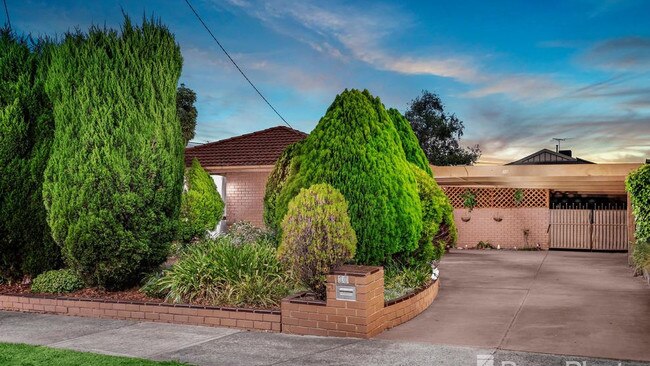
113	182
412	150
201	204
357	150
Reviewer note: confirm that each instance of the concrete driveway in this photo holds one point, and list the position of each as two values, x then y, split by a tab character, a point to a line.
572	303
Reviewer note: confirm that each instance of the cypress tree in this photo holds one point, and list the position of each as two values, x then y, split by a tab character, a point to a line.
26	130
274	184
114	180
356	149
410	144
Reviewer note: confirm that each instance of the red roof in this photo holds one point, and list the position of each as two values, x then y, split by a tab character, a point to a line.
256	148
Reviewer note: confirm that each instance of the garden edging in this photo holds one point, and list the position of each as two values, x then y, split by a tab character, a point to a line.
364	317
266	320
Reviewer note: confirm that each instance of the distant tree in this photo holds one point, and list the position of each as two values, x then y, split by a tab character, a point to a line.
438	132
185	99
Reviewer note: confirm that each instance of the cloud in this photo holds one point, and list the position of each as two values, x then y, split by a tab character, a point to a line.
521	87
620	54
357	34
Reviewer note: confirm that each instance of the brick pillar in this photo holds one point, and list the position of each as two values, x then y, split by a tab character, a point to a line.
360	316
363	317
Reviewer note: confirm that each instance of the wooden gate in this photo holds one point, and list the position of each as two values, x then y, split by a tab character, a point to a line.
590	229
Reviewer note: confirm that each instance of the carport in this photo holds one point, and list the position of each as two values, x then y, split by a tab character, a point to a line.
584	206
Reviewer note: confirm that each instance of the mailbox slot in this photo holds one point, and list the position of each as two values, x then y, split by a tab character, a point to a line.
346	292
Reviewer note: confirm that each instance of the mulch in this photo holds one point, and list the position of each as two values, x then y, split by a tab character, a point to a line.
87	293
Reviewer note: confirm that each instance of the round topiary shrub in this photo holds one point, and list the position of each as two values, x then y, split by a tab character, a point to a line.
201	204
317	235
357	150
57	282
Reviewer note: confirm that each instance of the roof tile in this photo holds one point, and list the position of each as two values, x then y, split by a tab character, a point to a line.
257	148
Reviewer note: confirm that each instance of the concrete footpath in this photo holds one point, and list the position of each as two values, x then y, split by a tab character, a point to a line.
221	346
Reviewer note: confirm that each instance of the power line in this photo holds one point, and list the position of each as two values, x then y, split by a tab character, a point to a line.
7	13
234	63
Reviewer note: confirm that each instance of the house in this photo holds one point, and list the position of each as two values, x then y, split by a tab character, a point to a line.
240	167
548	199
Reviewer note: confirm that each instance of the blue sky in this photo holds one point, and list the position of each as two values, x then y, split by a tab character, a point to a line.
517	73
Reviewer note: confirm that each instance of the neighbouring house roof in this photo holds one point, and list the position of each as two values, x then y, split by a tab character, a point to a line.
252	149
546	156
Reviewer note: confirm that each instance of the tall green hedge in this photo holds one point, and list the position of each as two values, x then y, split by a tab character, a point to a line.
113	182
410	144
26	130
638	186
356	149
201	204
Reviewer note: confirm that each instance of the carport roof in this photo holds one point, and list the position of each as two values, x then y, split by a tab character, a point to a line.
583	178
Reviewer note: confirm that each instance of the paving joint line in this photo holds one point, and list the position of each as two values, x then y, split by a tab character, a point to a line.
317	352
521	305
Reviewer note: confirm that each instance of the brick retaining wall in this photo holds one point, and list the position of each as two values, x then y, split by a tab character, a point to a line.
363	317
266	320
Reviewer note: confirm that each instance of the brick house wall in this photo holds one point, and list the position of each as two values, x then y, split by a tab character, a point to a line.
509	232
245	196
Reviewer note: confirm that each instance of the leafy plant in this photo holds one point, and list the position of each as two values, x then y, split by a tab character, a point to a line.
638	187
402	280
317	235
519	196
469	200
484	245
201	205
26	133
57	282
436	209
185	99
243	232
114	179
218	272
356	149
274	185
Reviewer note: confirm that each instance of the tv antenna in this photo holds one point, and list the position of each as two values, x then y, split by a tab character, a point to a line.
559	142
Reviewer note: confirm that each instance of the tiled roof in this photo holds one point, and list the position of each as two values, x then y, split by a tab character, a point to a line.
256	148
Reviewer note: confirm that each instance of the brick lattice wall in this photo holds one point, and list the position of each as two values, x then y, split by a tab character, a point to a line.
265	320
508	233
245	197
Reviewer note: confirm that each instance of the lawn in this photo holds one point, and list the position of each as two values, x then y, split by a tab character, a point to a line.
26	355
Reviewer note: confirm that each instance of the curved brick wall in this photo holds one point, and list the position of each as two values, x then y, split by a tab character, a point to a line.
404	309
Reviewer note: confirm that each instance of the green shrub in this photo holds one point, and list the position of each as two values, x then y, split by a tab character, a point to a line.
402	280
316	235
412	150
638	186
243	232
114	180
436	213
201	204
217	272
57	282
26	132
356	149
274	185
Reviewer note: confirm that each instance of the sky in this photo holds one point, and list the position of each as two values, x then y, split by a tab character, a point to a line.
518	73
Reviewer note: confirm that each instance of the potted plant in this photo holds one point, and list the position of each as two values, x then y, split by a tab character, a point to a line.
469	202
